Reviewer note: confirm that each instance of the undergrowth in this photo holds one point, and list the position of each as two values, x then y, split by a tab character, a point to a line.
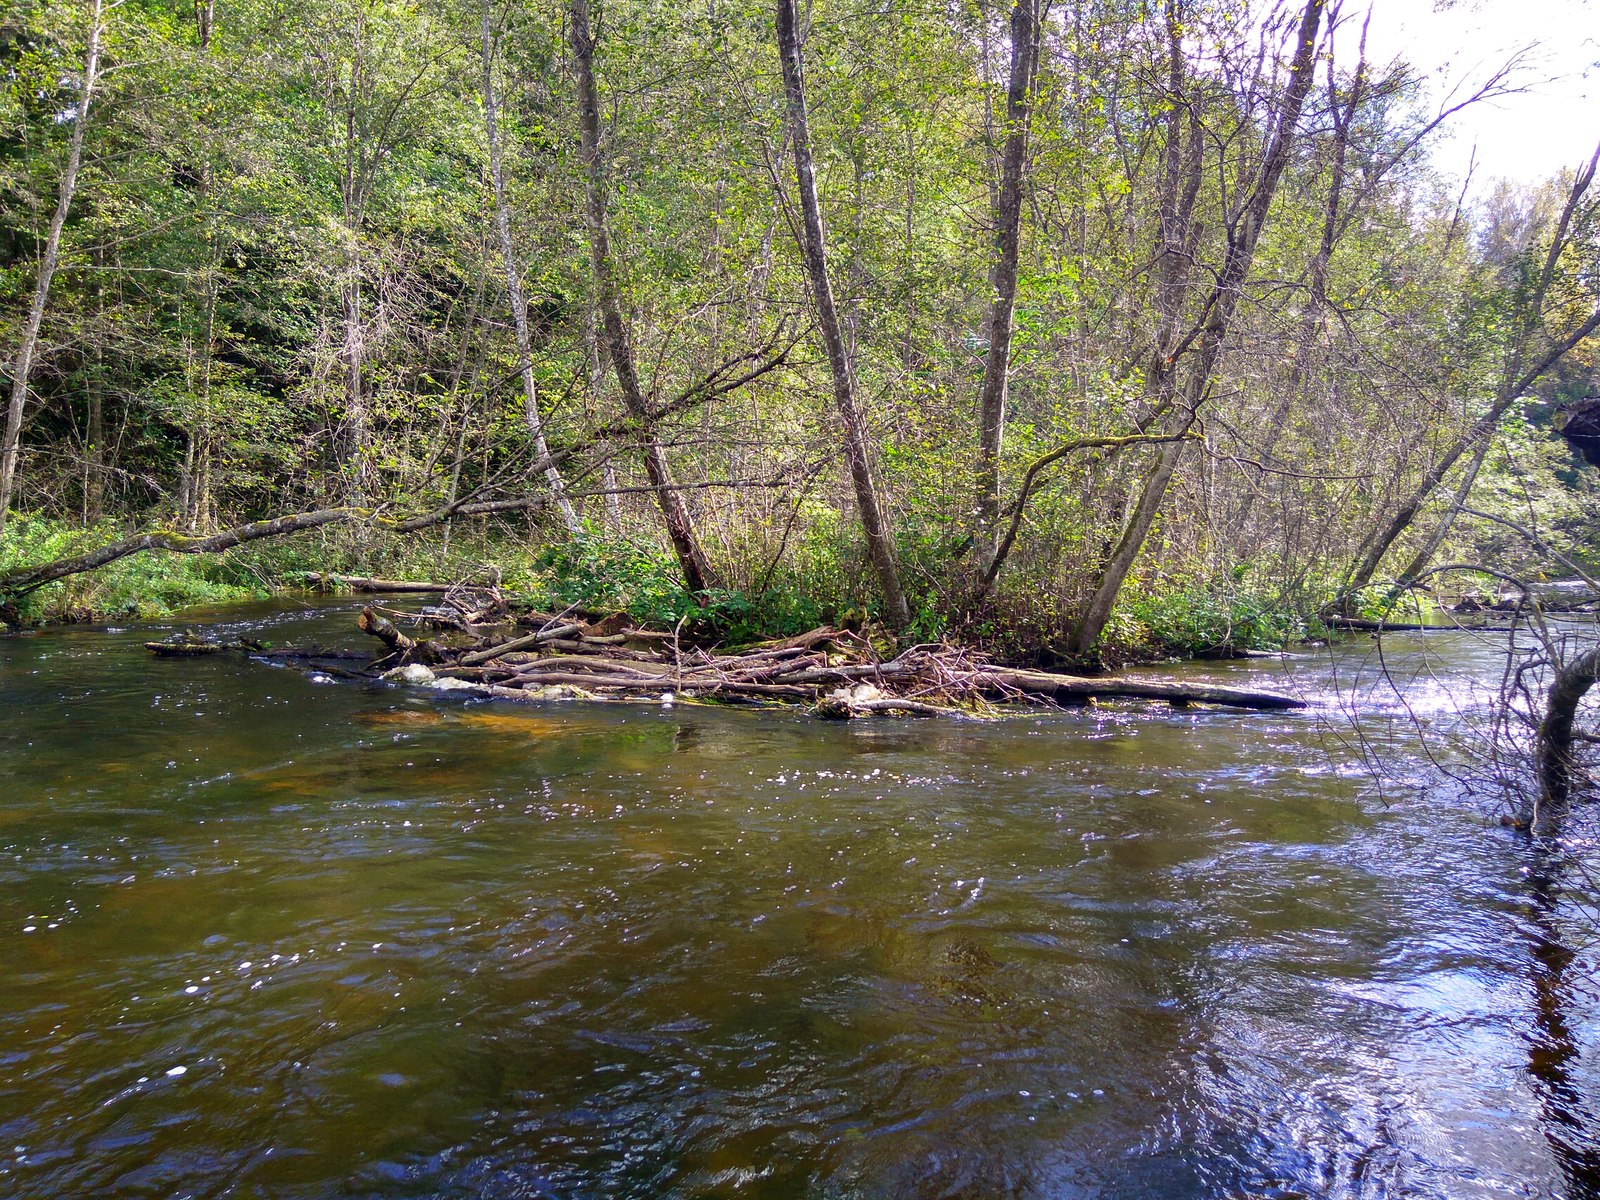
643	580
1201	620
142	585
820	581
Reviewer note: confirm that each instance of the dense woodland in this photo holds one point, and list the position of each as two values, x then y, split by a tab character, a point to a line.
1064	326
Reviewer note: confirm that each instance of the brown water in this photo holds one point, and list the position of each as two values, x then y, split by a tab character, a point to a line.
271	937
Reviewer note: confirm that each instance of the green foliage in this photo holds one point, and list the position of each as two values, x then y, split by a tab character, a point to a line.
1384	603
628	576
643	580
1205	620
262	206
145	585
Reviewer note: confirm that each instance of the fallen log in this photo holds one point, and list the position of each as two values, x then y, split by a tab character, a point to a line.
599	648
650	635
864	699
835	675
189	644
998	681
407	649
194	647
1361	624
188	649
516	644
312	652
836	708
580	662
1581	604
363	583
385	631
802	641
615	683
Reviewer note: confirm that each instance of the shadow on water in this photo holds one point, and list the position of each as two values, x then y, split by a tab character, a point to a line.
1555	1060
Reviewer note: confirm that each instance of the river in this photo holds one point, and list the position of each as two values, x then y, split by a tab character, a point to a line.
266	934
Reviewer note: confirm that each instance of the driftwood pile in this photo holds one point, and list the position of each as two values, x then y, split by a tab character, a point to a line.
837	672
474	641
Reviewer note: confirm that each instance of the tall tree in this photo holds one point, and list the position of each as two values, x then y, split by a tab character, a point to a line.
519	306
1027	20
1547	322
1204	340
49	260
697	573
813	249
379	72
1341	114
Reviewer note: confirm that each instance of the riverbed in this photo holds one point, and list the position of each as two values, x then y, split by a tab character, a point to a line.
273	934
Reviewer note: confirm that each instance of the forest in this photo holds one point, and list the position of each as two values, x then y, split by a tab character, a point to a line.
1077	332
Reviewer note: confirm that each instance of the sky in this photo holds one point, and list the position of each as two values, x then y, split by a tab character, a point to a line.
1527	137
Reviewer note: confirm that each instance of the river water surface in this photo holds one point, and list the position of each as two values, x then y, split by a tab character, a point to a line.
269	936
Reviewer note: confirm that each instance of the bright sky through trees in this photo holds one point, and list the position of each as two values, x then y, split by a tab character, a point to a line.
1526	137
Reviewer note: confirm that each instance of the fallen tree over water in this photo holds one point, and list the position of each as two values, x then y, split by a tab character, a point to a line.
1361	625
836	671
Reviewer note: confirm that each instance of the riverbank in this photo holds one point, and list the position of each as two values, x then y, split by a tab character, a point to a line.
1169	619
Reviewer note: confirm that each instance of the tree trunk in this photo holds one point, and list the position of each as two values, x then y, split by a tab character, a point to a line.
199	515
1419	563
1026	20
1310	328
22	366
1553	747
1530	325
697	574
353	426
1097	612
94	442
1481	429
880	545
519	308
1218	311
1181	167
595	357
352	440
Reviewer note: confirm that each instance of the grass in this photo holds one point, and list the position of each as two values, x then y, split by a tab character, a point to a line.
641	577
142	585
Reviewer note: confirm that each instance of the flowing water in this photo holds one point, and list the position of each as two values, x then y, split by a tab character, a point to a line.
271	935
